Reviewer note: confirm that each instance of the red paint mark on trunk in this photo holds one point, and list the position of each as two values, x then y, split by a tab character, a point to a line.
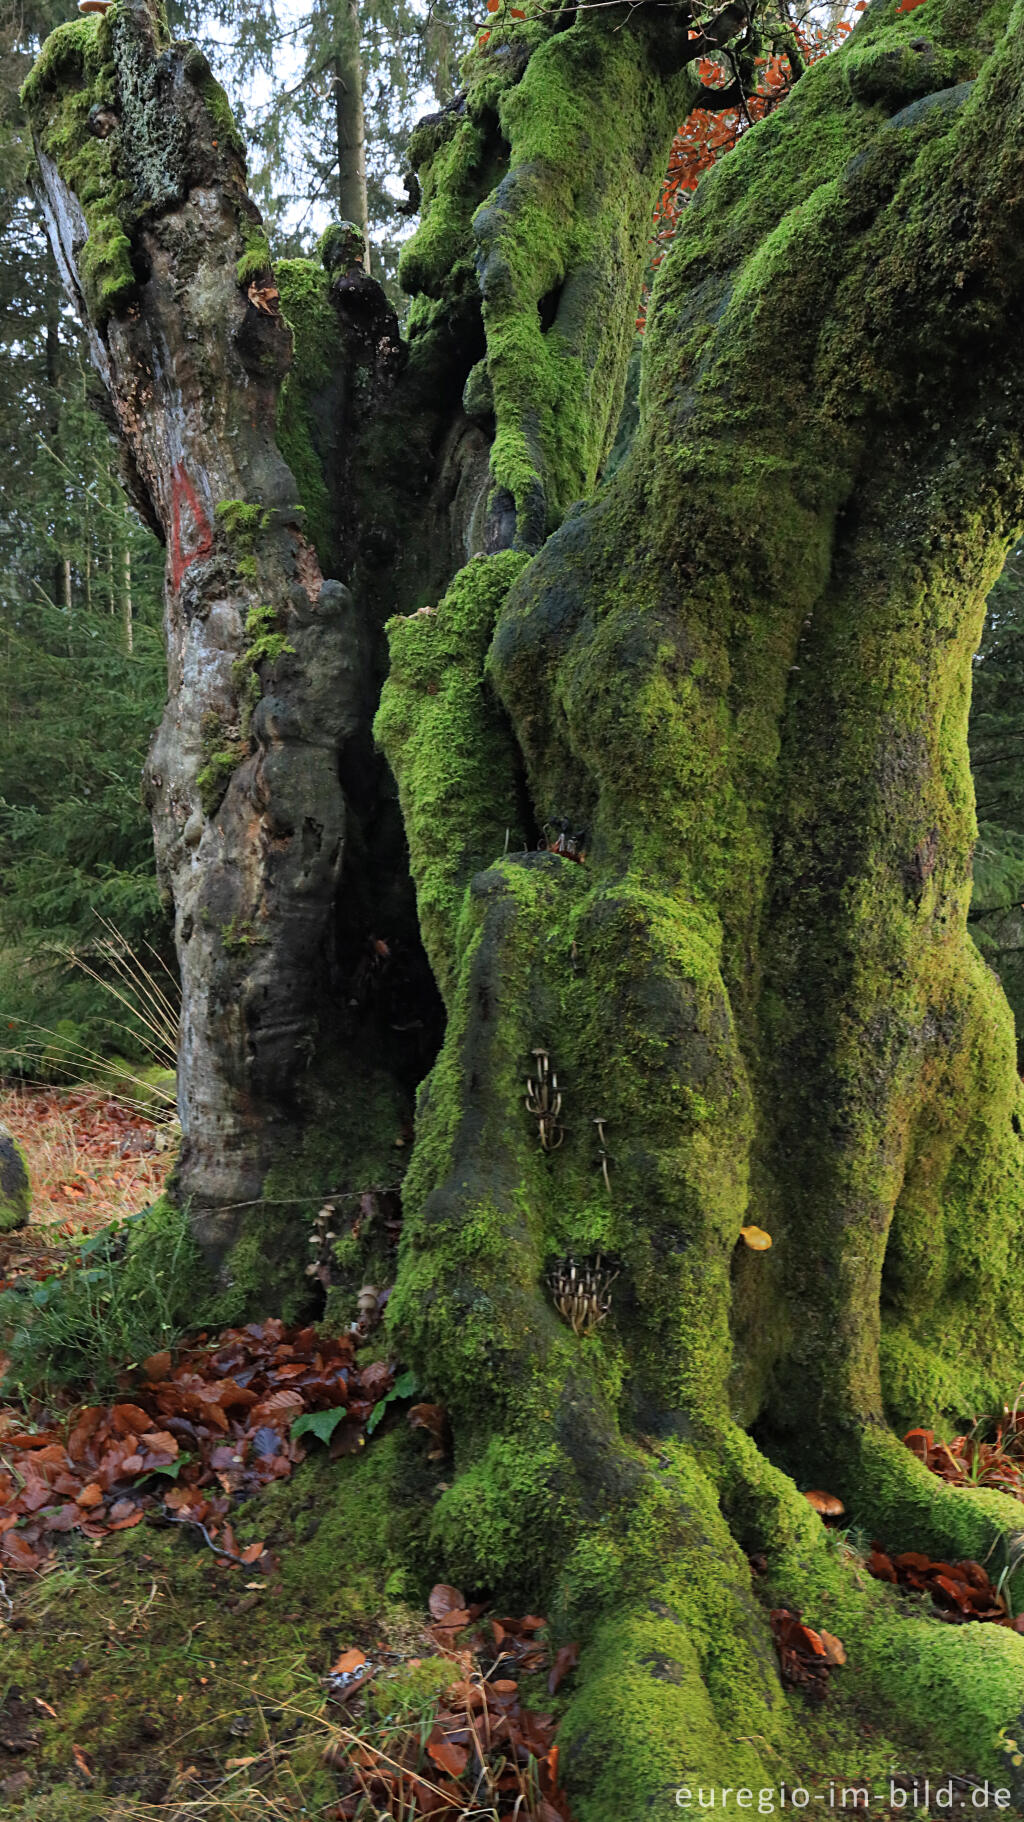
191	534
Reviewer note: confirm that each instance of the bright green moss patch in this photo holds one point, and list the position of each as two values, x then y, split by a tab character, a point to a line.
241	522
309	403
255	260
562	244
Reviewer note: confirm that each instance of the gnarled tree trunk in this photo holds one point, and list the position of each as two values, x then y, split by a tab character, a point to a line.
743	667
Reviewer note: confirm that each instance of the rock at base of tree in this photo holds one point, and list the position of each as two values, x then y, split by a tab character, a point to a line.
15	1194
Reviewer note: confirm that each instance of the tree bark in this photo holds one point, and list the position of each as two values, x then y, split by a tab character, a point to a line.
738	674
264	660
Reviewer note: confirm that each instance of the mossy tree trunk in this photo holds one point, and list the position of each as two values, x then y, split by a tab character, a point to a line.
743	667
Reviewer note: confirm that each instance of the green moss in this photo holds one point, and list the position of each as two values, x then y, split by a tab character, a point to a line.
220	755
341	246
214	776
265	644
215	102
308	405
153	1640
437	255
346	1149
241	522
560	219
446	742
241	935
255	259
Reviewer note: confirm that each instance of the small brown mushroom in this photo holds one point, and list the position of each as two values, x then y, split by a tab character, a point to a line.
95	6
825	1504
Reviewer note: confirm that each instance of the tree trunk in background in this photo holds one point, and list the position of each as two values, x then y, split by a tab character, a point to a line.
126	599
742	668
350	130
53	381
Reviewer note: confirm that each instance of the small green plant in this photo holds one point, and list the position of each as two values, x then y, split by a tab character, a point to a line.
241	934
129	1292
264	642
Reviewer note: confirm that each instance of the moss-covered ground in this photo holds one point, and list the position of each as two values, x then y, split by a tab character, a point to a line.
179	1680
163	1665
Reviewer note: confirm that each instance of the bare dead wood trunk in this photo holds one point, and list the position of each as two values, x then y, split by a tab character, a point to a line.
263	657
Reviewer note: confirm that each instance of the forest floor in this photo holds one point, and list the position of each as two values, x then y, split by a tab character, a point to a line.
91	1158
200	1610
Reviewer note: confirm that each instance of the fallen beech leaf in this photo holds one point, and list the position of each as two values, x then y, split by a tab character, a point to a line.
19	1551
449	1757
159	1442
444	1599
158	1365
86	1427
920	1441
125	1524
827	1504
756	1238
454	1621
565	1660
45	1706
348	1662
833	1647
252	1553
128	1419
62	1518
81	1761
880	1565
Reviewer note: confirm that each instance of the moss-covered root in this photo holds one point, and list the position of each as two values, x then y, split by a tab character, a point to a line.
679	1686
958	1689
905	1506
678	1683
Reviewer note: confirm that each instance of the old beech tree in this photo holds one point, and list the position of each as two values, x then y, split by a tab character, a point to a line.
410	621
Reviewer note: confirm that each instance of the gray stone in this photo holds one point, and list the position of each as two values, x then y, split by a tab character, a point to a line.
15	1194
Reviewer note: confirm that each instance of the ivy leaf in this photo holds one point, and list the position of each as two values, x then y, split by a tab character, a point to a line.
171	1469
321	1424
405	1386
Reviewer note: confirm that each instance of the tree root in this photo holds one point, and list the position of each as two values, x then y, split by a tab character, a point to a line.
680	1688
